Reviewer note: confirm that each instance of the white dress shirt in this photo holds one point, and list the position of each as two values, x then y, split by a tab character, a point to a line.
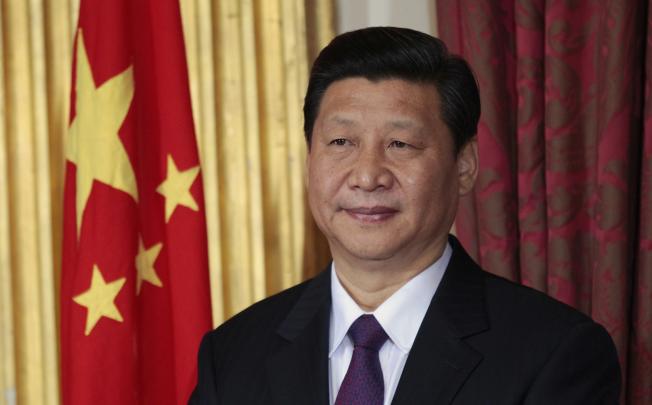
400	316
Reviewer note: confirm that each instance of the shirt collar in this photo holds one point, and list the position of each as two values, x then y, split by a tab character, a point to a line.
400	315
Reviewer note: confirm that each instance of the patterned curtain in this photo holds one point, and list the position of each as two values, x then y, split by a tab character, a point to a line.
563	201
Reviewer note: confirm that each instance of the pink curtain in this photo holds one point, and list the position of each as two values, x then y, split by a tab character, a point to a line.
563	202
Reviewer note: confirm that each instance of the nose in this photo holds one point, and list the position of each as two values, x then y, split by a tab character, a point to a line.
370	171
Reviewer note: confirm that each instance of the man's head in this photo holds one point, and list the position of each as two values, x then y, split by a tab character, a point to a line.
390	121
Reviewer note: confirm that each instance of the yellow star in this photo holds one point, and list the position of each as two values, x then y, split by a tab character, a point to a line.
93	144
99	299
145	265
176	188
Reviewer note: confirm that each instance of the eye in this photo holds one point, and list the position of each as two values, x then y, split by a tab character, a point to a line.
338	142
398	144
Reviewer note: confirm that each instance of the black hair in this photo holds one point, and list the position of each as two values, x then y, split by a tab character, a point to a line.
378	53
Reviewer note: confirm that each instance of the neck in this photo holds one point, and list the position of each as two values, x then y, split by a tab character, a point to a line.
370	283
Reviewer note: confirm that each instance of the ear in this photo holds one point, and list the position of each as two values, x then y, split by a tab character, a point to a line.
467	166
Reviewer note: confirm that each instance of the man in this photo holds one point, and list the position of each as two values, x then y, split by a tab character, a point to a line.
403	315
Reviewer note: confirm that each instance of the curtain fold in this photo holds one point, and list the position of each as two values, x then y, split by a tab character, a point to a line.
248	65
562	202
36	40
639	384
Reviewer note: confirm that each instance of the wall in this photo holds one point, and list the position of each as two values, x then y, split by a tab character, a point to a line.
415	14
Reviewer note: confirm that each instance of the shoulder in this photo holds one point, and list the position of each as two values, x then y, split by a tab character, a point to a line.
534	317
526	331
534	348
511	302
509	305
236	350
264	324
571	357
259	319
546	344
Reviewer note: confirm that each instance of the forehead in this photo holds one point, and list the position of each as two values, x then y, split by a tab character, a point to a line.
352	98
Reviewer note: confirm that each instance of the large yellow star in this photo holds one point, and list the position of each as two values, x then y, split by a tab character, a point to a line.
176	188
99	299
145	265
93	142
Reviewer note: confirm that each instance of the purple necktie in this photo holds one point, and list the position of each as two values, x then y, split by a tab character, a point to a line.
363	383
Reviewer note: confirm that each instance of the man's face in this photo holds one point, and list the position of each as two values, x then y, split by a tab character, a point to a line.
383	177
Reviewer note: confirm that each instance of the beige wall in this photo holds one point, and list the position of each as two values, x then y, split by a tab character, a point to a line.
415	14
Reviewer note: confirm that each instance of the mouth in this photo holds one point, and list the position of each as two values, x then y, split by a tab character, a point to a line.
371	215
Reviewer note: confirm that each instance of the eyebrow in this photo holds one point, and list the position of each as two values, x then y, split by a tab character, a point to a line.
341	120
402	124
397	124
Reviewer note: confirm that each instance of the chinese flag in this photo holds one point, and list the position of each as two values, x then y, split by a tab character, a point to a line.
134	290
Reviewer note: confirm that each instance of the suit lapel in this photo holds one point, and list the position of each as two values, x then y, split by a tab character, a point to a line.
440	361
438	364
298	371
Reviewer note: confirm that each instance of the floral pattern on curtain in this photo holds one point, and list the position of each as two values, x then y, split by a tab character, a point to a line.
563	201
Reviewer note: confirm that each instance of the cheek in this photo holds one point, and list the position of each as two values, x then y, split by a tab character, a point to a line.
319	183
322	188
418	177
412	181
430	185
324	176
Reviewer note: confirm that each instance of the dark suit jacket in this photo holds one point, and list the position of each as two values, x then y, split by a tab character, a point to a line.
484	340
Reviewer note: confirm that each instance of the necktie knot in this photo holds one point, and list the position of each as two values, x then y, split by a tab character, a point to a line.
368	333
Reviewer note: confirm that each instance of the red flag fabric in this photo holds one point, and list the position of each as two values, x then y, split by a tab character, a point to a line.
134	287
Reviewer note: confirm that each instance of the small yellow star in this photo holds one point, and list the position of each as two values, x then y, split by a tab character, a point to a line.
99	299
93	144
145	265
176	188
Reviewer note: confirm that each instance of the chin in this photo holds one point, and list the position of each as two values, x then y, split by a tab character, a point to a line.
367	251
